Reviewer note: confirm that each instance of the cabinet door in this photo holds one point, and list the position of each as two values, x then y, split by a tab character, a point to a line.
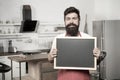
16	69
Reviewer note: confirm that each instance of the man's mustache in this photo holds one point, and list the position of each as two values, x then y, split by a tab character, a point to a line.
71	25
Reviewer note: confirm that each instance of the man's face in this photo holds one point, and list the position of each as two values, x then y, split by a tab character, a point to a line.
72	24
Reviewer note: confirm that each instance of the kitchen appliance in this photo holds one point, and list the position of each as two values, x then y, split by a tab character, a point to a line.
1	48
29	26
27	12
107	33
11	49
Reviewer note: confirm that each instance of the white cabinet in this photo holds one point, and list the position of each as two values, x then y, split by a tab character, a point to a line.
16	69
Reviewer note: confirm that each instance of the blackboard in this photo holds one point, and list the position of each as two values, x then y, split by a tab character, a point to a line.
75	53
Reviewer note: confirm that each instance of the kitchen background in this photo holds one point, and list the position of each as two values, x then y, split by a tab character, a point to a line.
52	11
50	16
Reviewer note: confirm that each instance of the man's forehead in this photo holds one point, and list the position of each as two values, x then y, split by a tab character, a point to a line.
72	15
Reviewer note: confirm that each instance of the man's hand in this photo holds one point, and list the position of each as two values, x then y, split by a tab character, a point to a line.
96	52
52	55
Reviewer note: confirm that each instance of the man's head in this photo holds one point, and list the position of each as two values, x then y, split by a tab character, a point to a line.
72	19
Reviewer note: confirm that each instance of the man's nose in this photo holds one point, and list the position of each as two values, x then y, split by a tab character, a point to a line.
71	21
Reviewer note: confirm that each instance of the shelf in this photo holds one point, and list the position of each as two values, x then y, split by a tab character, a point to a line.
13	36
15	24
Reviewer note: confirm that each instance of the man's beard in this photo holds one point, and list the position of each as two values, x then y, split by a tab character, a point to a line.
72	29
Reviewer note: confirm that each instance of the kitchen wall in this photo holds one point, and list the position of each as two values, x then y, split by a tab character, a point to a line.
52	11
46	10
107	10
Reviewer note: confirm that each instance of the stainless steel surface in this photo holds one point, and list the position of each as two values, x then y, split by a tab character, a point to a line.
108	32
98	31
112	46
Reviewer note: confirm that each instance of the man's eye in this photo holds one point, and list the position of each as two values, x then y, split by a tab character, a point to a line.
67	18
75	18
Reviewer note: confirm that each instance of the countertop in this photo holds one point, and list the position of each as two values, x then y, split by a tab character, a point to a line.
27	58
8	54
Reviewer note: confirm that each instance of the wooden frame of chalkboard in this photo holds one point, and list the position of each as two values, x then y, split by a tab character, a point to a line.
75	53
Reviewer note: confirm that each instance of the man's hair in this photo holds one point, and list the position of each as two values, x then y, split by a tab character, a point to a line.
72	10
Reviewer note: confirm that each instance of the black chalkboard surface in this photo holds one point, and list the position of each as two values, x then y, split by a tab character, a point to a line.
75	53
